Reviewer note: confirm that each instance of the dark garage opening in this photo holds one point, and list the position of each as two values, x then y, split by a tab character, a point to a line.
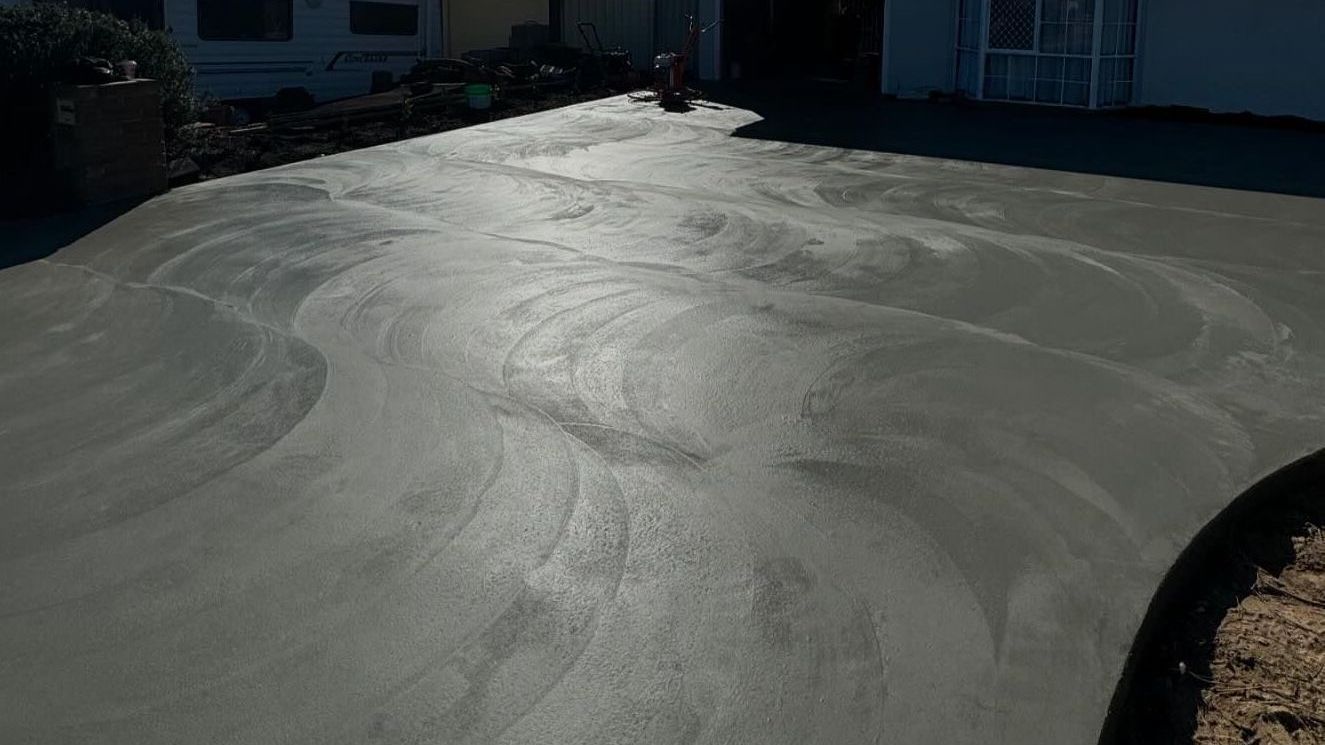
817	39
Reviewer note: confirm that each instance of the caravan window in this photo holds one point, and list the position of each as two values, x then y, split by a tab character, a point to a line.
246	20
383	19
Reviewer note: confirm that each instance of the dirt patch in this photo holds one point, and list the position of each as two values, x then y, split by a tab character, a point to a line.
1232	649
1267	681
225	151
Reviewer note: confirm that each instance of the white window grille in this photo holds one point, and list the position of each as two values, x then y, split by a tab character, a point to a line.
1117	52
1012	24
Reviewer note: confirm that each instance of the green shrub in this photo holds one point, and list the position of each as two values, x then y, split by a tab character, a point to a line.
37	42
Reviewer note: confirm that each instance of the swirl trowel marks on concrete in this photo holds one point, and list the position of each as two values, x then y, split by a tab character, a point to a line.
601	425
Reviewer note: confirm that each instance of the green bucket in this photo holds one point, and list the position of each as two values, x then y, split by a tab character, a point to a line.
479	96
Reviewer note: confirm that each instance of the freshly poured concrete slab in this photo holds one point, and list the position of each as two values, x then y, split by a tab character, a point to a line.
601	425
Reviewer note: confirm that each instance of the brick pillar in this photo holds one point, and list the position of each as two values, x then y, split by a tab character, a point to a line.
109	141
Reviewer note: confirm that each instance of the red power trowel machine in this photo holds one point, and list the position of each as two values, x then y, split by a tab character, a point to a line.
670	67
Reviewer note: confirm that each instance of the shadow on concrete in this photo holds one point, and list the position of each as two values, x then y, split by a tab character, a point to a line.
32	238
1142	145
1156	701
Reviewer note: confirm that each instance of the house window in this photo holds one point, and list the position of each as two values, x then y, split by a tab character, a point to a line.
968	47
1118	52
1060	52
383	19
246	20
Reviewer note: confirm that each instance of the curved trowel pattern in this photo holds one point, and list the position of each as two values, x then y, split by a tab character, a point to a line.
601	425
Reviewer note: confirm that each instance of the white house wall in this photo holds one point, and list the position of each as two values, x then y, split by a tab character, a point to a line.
918	48
1263	56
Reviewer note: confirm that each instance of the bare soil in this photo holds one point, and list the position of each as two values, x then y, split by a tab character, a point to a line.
1267	672
1232	649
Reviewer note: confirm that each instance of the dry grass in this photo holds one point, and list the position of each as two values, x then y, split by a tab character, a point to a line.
1267	671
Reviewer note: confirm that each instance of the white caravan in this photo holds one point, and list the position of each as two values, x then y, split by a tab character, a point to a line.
331	48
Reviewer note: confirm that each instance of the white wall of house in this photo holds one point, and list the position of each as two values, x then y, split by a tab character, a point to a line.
919	46
1263	56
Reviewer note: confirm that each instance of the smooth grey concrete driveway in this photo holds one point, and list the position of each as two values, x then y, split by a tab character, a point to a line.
603	426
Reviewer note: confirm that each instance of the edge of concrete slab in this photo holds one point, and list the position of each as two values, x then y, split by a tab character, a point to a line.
1155	696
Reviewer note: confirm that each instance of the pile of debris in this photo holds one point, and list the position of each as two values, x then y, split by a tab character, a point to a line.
435	96
206	151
